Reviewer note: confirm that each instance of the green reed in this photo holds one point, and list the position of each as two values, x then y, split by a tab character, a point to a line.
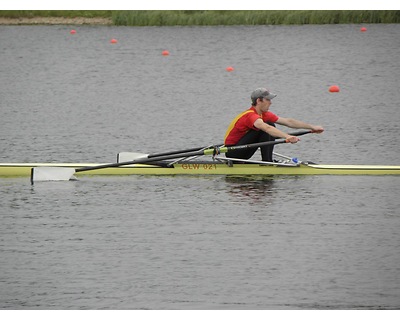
244	17
220	17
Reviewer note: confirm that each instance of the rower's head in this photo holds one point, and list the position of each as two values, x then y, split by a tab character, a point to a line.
261	93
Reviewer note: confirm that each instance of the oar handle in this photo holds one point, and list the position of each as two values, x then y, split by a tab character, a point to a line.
300	133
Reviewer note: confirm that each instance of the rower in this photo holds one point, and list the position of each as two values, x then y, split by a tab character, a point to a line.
257	124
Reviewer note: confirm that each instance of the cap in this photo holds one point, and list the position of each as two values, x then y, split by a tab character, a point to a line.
262	93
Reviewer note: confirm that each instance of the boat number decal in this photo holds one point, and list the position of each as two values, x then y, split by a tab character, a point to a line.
198	166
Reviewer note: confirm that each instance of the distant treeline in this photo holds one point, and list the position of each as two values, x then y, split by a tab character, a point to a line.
220	17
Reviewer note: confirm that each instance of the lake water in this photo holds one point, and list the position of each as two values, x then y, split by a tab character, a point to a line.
141	242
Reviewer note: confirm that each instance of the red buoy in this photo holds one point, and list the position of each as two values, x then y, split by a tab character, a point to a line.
113	41
165	53
334	89
363	29
229	69
72	32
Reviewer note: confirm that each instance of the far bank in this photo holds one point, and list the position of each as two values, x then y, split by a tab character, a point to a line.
198	17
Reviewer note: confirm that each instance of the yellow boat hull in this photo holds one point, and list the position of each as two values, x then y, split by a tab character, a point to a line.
24	169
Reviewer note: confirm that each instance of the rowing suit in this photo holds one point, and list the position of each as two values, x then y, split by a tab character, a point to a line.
242	131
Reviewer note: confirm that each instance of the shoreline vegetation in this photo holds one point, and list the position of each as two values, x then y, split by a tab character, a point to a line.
196	17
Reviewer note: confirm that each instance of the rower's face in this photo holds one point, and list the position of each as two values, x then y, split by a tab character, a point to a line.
265	104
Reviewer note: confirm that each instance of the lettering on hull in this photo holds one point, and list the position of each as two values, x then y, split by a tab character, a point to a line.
199	166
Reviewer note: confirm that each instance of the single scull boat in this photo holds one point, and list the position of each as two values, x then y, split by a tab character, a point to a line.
205	168
189	162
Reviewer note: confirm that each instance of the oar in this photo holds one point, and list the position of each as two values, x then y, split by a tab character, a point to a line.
65	174
136	155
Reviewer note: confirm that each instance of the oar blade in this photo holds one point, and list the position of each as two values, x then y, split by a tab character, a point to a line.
52	174
129	156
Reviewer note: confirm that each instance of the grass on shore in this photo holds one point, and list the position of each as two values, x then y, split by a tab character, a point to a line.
163	18
220	17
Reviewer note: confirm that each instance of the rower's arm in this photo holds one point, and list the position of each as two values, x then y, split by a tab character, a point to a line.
297	124
271	130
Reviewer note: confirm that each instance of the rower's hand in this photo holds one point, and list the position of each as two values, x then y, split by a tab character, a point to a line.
292	139
317	129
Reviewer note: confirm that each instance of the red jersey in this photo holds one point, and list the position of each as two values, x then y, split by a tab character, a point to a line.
245	122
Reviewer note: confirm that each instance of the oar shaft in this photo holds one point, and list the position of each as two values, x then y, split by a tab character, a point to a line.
218	148
169	156
210	151
248	146
43	173
176	152
300	133
147	160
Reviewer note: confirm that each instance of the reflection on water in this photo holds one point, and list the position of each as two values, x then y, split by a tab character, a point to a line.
254	190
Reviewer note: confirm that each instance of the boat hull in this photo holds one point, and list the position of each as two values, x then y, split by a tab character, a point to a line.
24	169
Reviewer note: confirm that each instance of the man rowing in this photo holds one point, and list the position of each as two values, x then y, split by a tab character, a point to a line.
257	124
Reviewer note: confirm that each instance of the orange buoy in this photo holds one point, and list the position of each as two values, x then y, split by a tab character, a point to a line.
113	41
363	29
229	69
165	53
334	89
72	31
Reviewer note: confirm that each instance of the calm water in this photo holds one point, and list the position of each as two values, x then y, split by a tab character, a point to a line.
198	242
